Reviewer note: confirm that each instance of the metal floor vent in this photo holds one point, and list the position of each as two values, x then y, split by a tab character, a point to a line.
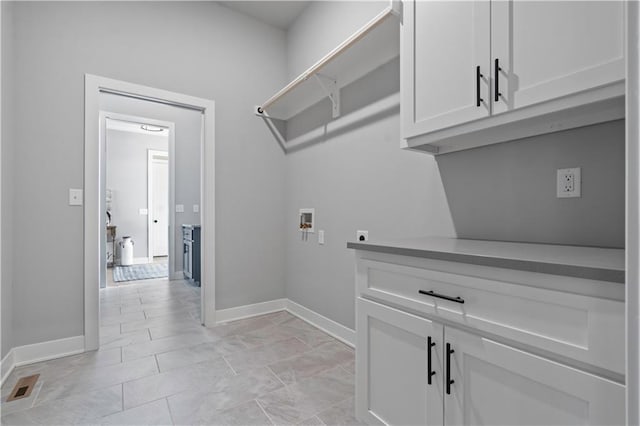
23	388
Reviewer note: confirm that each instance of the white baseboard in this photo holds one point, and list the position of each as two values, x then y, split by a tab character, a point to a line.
8	364
339	331
329	326
141	260
247	311
30	354
37	352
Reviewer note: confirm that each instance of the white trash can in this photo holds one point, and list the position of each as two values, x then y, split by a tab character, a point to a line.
126	251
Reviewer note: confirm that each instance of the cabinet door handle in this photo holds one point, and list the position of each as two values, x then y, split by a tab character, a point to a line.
448	378
430	372
478	77
432	293
496	70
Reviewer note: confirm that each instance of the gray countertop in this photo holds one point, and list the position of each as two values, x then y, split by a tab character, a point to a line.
601	264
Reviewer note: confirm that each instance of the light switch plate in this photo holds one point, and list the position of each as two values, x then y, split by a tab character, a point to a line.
75	197
179	208
321	236
196	208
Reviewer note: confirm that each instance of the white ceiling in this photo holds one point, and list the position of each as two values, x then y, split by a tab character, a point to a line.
280	14
127	126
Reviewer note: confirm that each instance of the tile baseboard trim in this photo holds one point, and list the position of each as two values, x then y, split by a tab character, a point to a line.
329	326
38	352
8	364
248	311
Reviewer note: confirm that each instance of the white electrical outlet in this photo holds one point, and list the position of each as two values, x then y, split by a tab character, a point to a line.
569	183
362	235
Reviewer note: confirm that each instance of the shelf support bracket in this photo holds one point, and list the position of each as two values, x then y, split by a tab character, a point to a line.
330	88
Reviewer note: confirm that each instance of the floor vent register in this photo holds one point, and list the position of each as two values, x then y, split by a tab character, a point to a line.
23	388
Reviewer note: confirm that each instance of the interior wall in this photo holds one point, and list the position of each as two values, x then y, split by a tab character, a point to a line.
359	179
507	191
188	135
178	46
322	26
127	178
6	156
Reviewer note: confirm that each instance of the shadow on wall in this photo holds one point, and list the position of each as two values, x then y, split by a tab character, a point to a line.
379	84
507	191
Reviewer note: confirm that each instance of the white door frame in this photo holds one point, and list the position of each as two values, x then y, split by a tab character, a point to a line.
151	157
93	217
632	243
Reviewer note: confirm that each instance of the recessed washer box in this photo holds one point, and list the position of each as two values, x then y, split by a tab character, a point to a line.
307	217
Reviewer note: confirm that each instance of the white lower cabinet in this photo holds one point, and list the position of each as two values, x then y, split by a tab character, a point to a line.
414	371
392	367
495	384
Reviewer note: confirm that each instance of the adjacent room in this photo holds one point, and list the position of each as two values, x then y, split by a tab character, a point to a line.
400	212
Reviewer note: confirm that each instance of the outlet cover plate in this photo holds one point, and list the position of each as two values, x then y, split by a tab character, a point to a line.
362	236
569	183
75	197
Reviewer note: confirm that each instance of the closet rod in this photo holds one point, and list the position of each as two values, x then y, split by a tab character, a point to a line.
392	9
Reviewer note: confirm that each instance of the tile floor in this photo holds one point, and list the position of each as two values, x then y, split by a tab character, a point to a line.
157	365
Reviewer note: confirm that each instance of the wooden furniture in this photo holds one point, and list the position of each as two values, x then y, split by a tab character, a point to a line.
479	72
489	333
111	245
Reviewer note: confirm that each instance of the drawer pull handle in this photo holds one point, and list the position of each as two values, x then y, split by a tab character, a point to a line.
448	379
442	296
430	372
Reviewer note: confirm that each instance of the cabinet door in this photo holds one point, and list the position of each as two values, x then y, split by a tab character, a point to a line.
392	363
495	384
550	49
442	44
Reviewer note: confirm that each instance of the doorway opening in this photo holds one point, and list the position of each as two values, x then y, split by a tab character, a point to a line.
140	98
138	194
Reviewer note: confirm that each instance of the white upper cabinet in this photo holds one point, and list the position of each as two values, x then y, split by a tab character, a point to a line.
550	49
450	63
479	72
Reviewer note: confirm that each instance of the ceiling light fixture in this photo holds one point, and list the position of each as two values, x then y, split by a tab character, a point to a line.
150	128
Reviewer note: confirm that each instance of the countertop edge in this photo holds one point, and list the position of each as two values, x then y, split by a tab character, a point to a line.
575	271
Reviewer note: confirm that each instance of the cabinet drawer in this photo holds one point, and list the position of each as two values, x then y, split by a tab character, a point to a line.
587	329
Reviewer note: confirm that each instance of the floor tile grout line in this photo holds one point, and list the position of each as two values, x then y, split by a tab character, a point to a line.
155	356
265	411
277	377
229	364
166	399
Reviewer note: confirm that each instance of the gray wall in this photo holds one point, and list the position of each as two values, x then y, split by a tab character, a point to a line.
322	26
359	179
508	191
127	164
7	179
188	132
197	48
